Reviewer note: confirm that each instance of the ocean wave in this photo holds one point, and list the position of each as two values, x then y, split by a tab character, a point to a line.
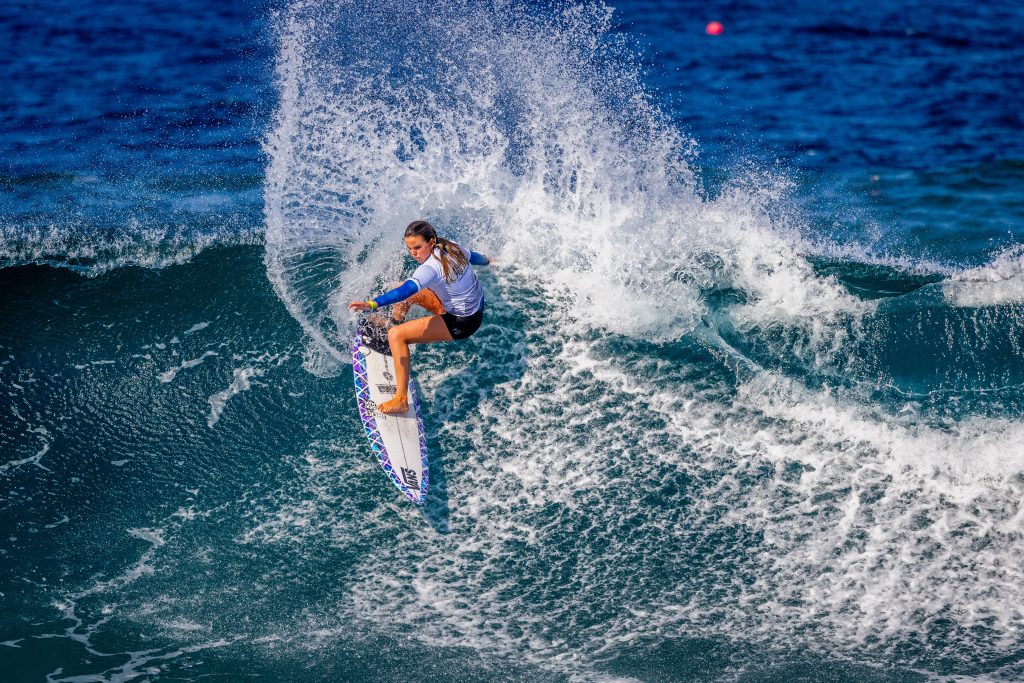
528	134
93	254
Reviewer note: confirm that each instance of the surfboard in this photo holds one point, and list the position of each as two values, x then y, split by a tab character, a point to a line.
398	441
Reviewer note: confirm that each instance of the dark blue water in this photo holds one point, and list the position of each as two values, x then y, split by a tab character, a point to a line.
896	119
129	126
746	405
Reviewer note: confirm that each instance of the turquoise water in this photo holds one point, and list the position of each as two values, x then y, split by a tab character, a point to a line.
746	404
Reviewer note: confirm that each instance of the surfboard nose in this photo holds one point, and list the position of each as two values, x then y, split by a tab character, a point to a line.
373	331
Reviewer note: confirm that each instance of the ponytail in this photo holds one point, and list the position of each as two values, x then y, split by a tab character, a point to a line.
453	261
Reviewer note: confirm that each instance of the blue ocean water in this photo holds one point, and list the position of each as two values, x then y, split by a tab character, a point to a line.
746	404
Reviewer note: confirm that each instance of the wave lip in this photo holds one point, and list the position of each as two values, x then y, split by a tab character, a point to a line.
997	283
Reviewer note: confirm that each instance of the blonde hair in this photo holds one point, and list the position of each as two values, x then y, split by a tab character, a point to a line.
453	261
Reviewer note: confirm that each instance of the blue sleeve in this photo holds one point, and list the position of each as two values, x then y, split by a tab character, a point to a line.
400	293
478	259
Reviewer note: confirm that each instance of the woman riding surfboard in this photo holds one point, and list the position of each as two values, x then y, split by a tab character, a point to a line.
444	284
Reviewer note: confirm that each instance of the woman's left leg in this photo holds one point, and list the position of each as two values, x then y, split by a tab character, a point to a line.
419	331
425	298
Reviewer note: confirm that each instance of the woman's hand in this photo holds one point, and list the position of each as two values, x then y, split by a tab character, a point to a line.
360	306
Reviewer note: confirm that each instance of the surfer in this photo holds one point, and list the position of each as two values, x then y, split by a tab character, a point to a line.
444	284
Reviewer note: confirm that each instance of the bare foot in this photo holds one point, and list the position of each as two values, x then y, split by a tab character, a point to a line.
396	406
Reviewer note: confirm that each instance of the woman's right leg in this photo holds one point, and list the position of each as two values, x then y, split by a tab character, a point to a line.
419	331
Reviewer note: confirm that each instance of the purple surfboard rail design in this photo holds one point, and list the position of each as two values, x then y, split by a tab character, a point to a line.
368	416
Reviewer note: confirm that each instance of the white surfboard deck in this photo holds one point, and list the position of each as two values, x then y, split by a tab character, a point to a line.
398	441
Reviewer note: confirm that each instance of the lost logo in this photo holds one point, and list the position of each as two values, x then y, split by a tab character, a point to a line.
389	389
410	478
371	408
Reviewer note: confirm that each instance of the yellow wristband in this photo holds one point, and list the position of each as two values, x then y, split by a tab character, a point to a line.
372	304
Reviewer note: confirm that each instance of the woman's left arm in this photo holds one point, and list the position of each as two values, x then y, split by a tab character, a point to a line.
400	293
478	259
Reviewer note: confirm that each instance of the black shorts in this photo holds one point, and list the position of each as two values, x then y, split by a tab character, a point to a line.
461	327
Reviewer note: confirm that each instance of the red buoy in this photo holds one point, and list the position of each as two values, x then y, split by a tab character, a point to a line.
714	28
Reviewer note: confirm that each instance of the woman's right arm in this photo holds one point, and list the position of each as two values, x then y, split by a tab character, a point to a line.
400	293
